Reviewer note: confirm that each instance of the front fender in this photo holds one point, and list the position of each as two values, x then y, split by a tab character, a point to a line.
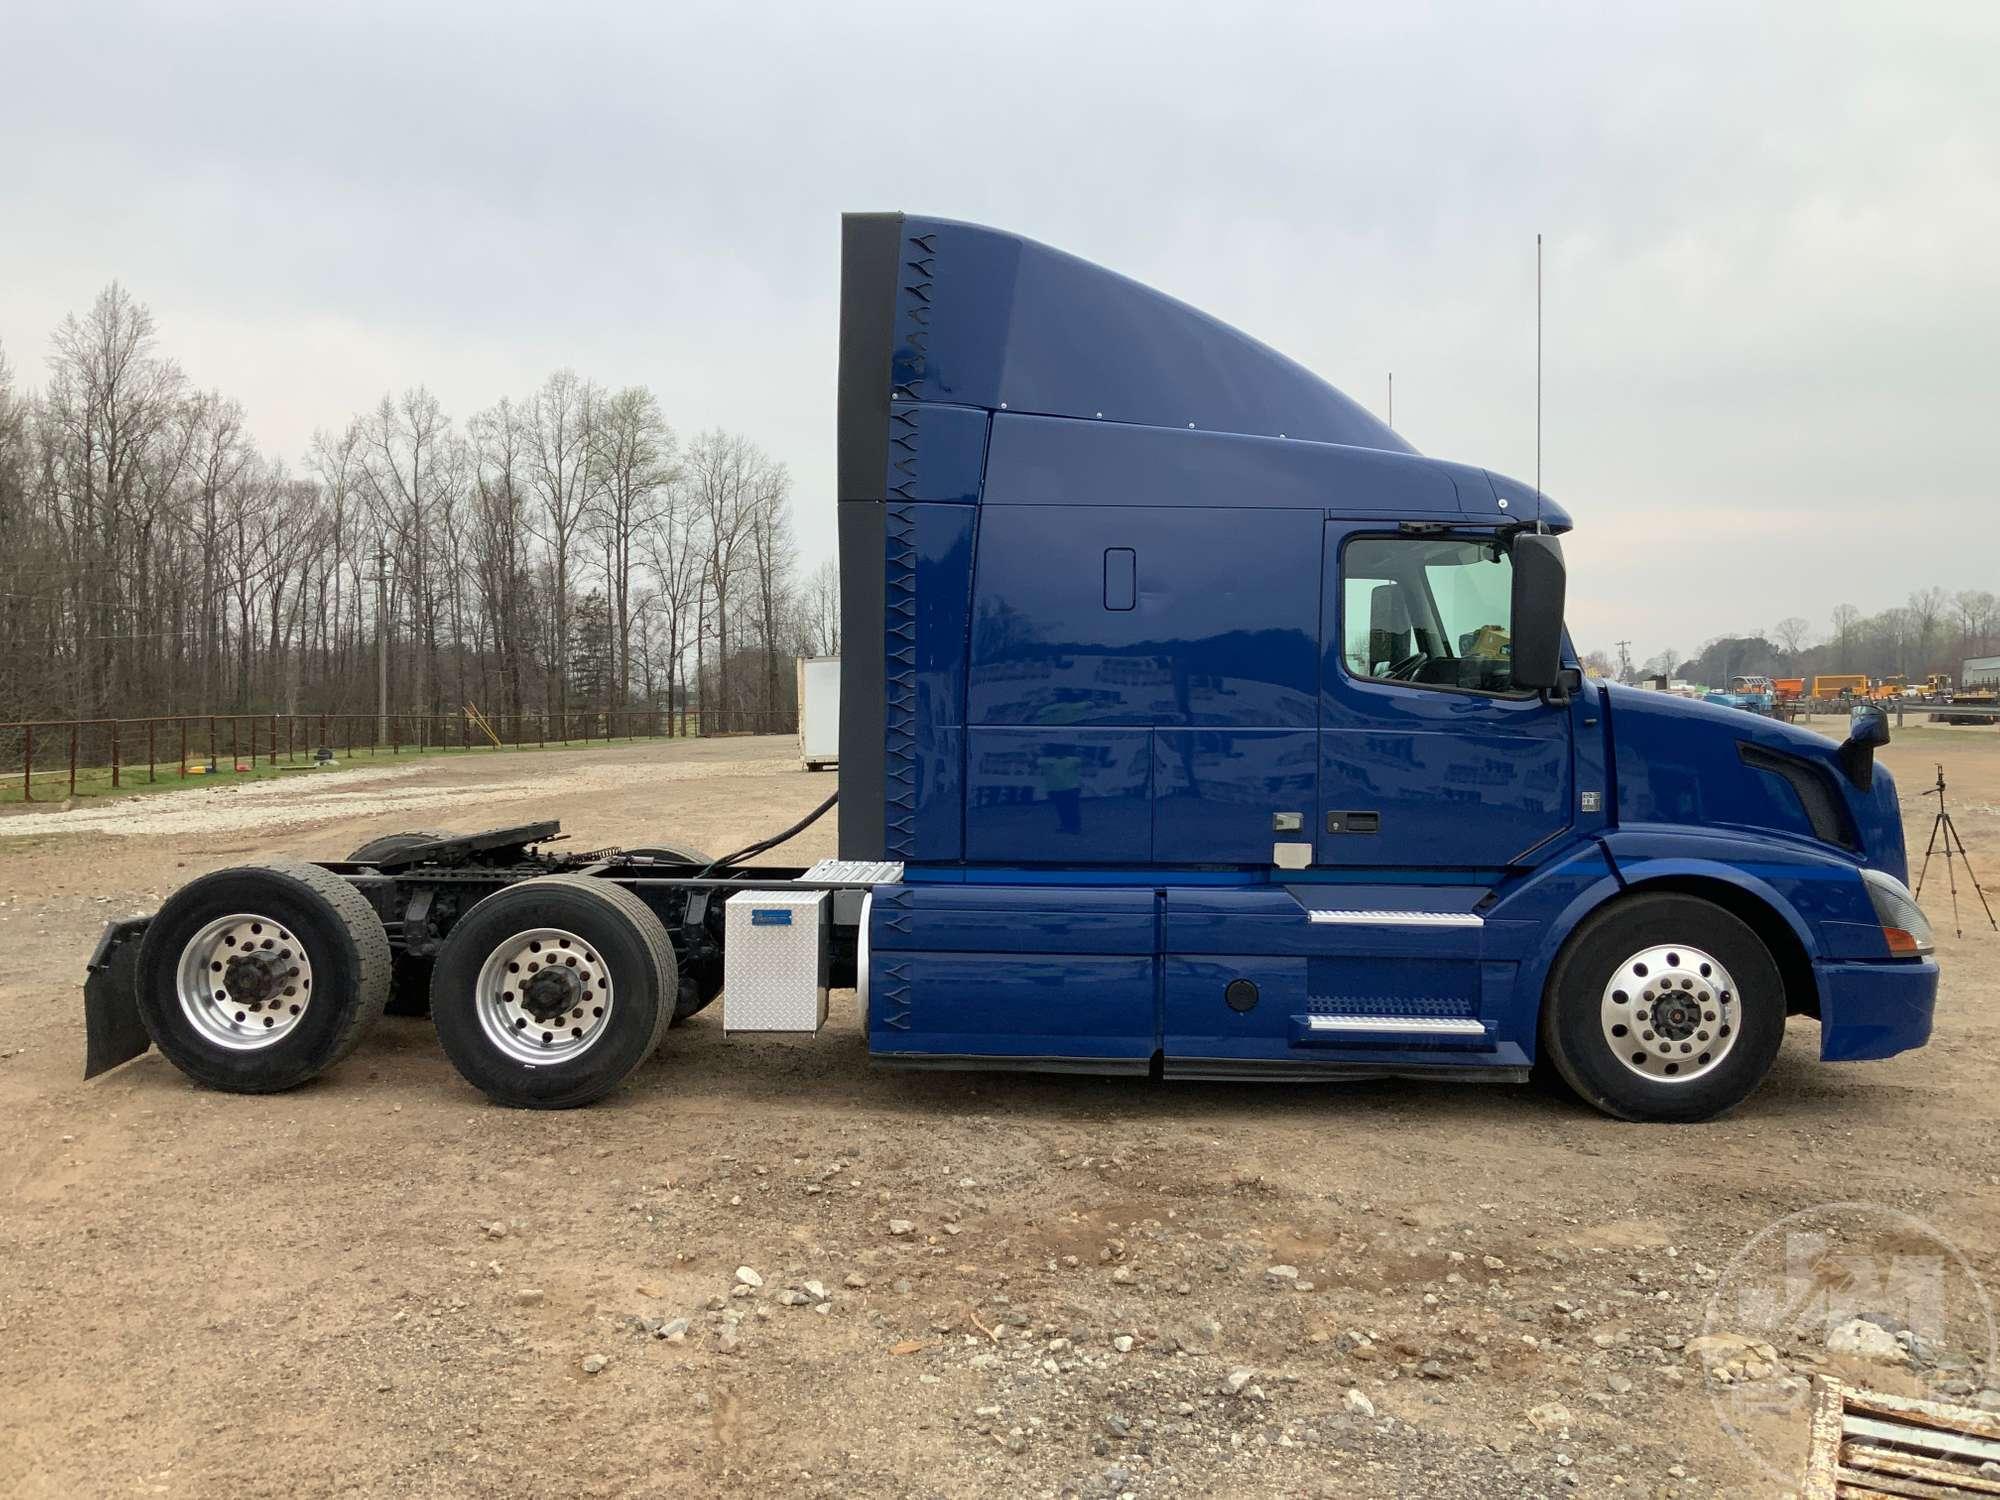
1866	1009
1818	896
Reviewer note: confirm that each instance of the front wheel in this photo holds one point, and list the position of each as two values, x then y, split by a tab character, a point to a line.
548	993
1663	1007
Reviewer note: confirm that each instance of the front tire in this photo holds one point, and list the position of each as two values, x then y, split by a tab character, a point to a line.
259	977
1663	1007
547	994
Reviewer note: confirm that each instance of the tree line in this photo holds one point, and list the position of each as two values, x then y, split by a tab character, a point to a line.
556	552
1935	631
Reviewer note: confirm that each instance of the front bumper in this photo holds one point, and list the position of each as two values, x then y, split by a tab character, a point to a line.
1869	1010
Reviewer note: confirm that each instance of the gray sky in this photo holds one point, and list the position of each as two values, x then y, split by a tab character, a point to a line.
1773	239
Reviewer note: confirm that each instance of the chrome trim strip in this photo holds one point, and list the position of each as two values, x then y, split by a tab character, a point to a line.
1399	918
1412	1025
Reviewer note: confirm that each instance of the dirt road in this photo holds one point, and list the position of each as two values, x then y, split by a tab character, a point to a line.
380	1285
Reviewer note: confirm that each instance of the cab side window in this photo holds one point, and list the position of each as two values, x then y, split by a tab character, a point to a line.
1428	611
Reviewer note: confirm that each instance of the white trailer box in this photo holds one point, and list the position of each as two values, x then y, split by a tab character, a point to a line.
774	964
819	711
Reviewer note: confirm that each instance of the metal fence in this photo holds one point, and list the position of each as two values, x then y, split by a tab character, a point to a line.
54	758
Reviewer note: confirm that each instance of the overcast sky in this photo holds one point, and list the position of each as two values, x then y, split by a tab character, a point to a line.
1773	233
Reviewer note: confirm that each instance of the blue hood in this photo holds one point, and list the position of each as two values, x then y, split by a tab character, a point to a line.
1677	761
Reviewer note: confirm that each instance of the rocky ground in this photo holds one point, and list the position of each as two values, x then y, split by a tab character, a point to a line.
765	1265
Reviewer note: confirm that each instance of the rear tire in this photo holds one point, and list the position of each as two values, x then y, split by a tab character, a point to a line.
259	977
1663	1007
610	998
701	979
410	979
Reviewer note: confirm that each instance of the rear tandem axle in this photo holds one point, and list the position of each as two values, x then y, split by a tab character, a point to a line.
630	941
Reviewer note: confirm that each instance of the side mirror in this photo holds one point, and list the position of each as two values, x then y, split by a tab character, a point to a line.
1539	584
1867	730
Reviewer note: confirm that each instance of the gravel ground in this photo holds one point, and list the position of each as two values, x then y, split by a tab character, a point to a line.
765	1265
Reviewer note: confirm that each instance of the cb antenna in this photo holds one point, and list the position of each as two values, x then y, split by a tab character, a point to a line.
1538	370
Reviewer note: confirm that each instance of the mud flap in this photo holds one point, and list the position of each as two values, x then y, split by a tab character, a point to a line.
113	1032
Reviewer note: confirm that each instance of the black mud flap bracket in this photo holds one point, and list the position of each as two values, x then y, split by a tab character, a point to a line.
113	1032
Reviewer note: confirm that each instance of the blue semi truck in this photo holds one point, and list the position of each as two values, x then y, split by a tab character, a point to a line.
1191	723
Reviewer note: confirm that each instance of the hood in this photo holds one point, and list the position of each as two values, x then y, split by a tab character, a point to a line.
1703	765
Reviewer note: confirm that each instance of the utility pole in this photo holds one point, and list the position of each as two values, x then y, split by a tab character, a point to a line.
381	643
1624	661
1392	398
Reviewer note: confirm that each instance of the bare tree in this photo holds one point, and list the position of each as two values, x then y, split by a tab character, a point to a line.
1793	634
772	555
633	451
152	559
1927	612
501	562
820	609
676	551
561	417
110	398
1845	618
406	438
722	471
337	461
222	454
1977	612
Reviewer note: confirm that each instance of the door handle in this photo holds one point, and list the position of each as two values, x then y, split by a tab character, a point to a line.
1354	822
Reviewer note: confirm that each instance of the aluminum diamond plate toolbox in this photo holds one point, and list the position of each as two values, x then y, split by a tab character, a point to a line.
774	961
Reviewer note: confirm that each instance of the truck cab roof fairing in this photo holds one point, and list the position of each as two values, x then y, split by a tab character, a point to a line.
978	317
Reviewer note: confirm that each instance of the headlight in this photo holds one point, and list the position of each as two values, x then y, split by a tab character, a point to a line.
1904	927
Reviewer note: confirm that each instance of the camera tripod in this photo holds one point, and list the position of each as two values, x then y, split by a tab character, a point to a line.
1943	829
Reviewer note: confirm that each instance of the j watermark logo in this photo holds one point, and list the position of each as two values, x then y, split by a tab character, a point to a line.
1877	1295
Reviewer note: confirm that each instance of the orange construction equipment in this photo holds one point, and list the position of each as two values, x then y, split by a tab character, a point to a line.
1841	685
1787	688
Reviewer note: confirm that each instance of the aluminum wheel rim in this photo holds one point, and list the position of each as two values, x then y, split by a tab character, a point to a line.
517	1008
1671	1013
244	982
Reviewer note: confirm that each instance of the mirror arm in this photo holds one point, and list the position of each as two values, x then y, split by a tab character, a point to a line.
1568	683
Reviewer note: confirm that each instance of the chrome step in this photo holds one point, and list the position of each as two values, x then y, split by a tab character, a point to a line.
1399	1025
855	872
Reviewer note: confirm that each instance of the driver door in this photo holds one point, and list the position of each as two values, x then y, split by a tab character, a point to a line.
1429	759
